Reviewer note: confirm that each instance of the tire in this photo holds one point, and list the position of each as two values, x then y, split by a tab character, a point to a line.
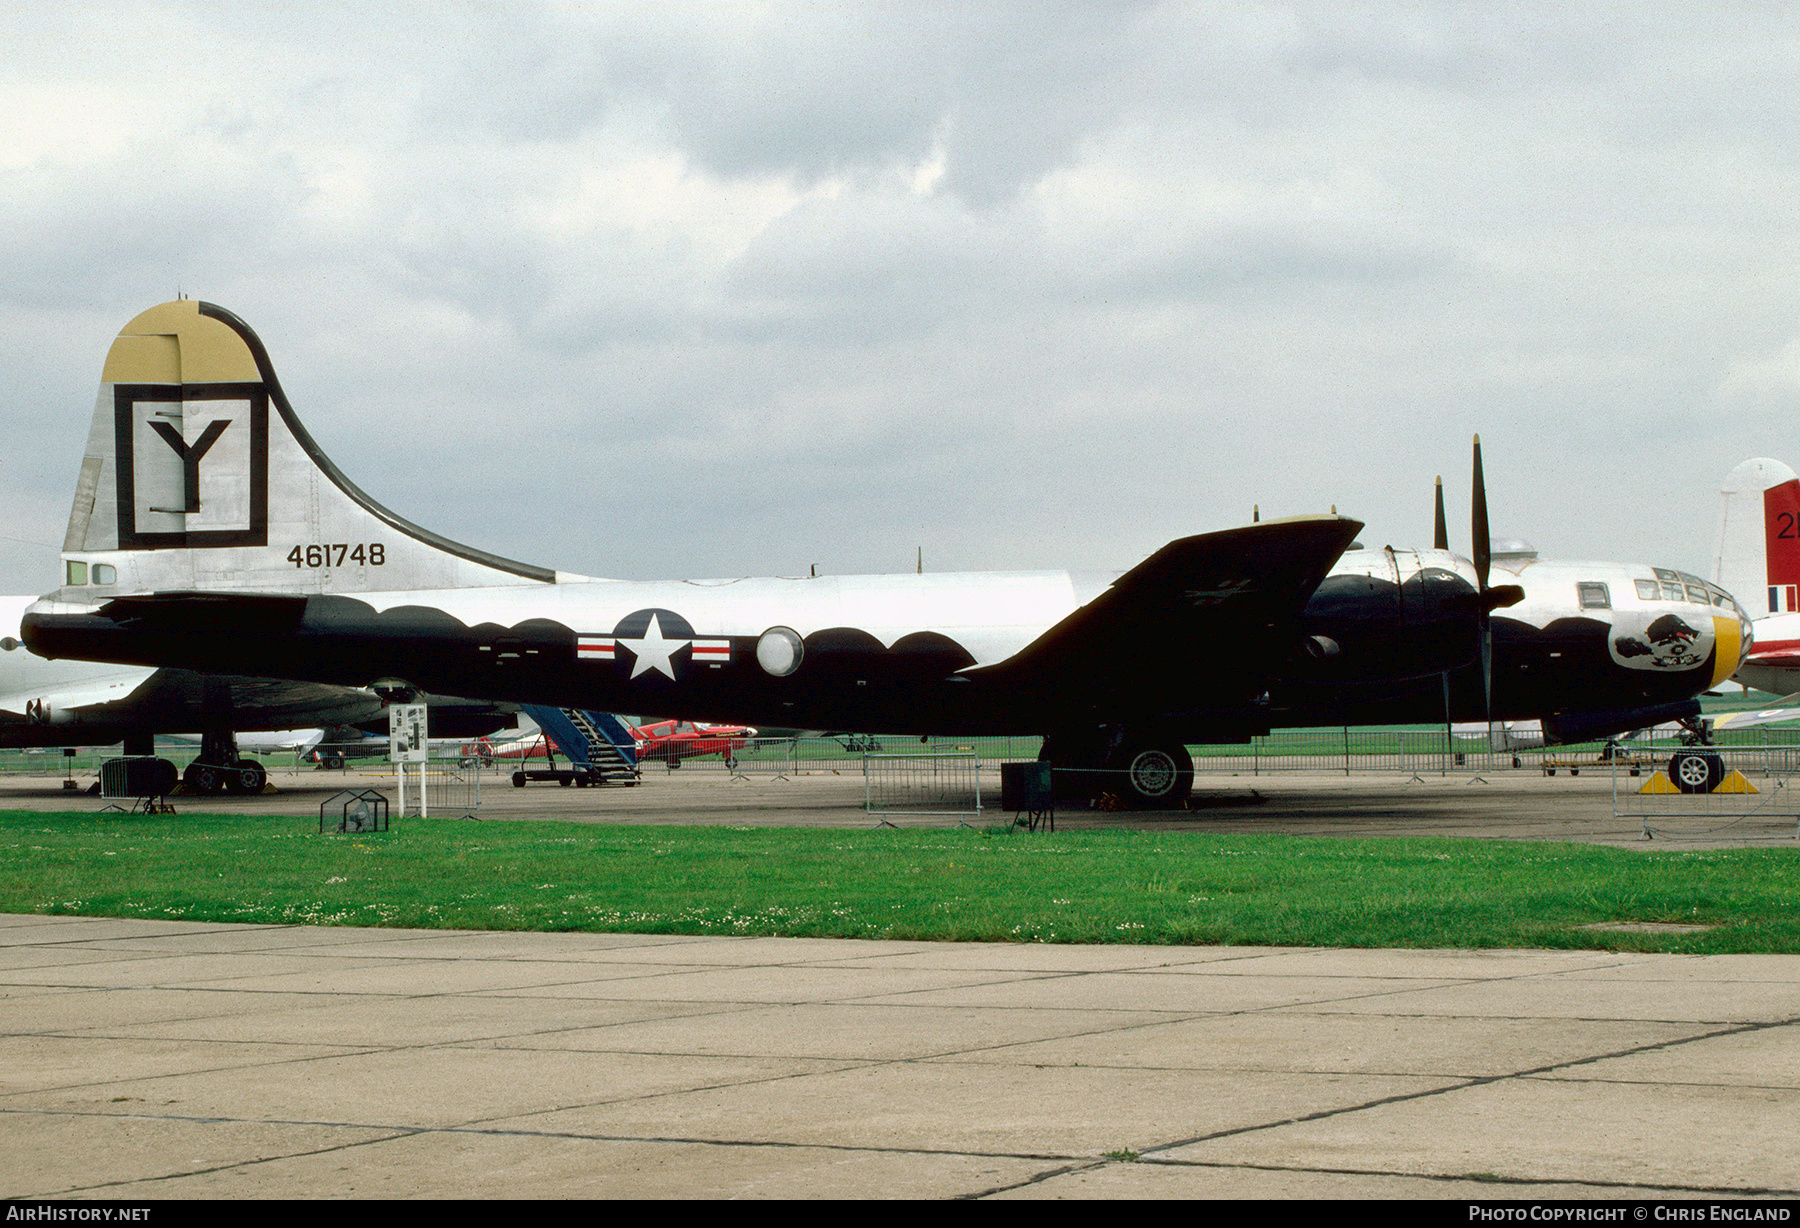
518	780
1155	777
1696	771
248	776
335	762
203	778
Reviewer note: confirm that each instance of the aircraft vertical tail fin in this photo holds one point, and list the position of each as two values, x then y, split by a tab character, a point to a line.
1758	559
198	475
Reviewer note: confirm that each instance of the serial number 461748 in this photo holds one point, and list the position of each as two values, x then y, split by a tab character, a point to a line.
336	554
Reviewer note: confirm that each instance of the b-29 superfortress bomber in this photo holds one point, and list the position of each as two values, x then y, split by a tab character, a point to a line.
210	532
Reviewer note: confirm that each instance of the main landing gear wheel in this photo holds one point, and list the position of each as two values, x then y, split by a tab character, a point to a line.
1156	777
247	776
1696	771
203	778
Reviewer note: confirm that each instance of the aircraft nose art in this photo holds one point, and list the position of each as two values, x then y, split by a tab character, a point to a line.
1668	641
1672	641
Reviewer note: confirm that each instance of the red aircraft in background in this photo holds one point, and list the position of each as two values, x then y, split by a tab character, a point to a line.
668	741
672	741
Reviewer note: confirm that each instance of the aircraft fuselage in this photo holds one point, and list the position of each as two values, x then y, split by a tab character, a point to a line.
904	653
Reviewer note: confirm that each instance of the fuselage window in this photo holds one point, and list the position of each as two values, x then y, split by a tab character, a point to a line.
1697	594
1673	592
104	574
76	574
1648	590
1594	595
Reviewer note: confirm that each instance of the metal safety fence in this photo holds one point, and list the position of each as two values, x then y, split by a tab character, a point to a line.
1741	790
839	755
943	783
85	761
1440	752
440	788
1408	753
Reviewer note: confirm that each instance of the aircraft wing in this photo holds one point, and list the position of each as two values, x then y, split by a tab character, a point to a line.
1210	612
1761	716
169	698
1780	656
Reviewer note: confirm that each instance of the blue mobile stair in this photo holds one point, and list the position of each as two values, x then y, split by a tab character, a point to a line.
598	746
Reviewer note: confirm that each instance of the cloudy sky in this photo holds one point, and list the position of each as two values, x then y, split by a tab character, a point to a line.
663	289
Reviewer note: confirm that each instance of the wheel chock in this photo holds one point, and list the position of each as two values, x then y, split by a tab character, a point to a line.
1659	783
1734	782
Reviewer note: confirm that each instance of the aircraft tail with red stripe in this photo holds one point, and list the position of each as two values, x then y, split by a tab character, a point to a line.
1758	559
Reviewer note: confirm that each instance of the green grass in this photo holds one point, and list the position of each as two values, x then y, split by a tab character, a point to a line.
999	885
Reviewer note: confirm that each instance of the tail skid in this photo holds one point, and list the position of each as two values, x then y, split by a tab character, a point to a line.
199	475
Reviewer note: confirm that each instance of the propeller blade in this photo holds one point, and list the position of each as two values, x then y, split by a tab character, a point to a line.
1483	558
1487	674
1441	535
1478	516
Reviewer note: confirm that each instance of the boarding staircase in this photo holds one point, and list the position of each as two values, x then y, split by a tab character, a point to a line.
598	743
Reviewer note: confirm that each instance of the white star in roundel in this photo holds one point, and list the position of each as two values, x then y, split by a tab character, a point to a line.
653	651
